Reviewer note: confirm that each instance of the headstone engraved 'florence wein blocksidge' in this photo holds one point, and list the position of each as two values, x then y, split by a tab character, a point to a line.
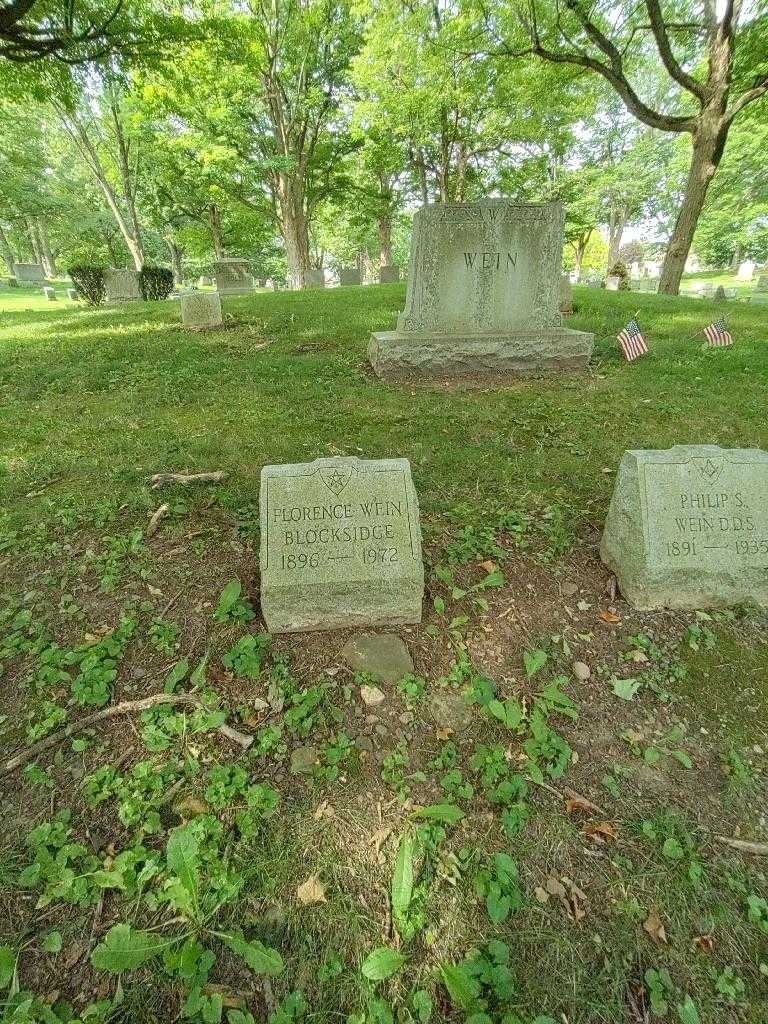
483	295
688	527
340	545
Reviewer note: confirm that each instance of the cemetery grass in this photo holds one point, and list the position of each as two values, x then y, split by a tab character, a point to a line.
660	751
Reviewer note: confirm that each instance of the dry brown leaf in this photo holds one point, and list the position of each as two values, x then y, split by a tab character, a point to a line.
580	803
705	943
444	734
311	891
601	833
324	810
554	887
541	894
489	566
654	927
380	837
609	616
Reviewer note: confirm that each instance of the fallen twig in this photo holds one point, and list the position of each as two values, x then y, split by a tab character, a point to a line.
127	707
154	522
188	478
237	737
744	845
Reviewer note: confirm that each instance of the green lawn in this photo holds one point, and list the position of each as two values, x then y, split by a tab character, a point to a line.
620	903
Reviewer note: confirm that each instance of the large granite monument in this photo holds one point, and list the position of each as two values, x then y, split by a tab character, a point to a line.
233	276
483	295
340	545
121	285
688	527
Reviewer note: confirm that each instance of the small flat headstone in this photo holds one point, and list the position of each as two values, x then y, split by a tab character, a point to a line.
612	283
688	527
50	294
340	545
383	655
762	283
72	294
720	295
201	311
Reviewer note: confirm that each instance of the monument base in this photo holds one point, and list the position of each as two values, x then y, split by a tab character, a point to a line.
340	605
395	355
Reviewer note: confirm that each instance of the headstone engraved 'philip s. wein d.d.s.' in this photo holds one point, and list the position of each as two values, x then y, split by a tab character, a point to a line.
340	545
483	295
688	527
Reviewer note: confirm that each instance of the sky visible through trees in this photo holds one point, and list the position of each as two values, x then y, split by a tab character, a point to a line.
302	134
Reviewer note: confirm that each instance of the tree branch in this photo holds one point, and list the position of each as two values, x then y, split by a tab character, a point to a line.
675	71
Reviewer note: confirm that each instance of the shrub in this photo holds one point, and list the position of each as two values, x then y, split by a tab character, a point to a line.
88	282
155	282
620	270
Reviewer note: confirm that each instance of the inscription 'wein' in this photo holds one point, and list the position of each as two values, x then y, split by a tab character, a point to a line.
489	260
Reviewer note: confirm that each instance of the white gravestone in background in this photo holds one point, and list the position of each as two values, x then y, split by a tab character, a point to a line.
483	295
746	270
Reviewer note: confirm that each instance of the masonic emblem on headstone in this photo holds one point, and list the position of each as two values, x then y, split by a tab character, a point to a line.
335	478
710	469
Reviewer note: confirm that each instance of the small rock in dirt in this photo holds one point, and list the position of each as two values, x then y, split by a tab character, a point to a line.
450	711
364	743
569	589
380	729
581	670
383	655
191	806
303	760
371	719
138	673
371	696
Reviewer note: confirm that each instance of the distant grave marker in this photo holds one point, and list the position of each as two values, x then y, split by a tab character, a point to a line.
50	294
233	277
315	278
349	275
340	545
201	311
29	272
121	285
389	274
688	527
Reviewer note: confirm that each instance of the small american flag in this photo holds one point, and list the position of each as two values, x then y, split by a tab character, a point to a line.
631	341
717	333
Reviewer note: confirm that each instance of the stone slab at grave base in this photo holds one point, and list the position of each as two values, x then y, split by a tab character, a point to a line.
396	356
340	545
687	527
201	311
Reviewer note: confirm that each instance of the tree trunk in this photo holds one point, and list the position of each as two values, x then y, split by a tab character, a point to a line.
385	239
217	235
79	134
616	225
581	248
7	252
736	258
49	263
34	241
128	176
294	229
708	145
176	254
